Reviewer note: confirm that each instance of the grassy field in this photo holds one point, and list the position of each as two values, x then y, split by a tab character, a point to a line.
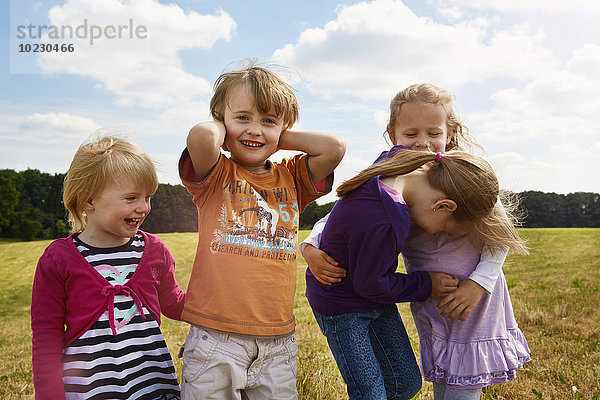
555	293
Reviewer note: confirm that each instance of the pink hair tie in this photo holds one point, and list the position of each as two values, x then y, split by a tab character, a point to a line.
438	157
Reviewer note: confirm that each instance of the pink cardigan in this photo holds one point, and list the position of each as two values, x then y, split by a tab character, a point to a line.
69	292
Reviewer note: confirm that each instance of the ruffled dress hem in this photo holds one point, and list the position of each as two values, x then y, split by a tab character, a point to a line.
474	364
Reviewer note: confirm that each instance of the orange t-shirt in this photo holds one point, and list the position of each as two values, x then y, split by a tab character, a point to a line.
244	275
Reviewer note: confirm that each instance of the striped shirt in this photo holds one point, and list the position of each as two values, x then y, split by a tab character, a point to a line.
134	363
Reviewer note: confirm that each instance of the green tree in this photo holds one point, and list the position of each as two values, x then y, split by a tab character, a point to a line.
9	200
172	211
583	209
314	212
543	209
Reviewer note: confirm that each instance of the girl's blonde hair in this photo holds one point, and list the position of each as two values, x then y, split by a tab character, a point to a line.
270	93
101	162
466	179
428	93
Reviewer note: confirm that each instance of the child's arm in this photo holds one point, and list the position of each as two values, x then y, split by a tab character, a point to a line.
490	263
323	267
462	301
487	271
204	143
483	278
171	296
47	325
325	151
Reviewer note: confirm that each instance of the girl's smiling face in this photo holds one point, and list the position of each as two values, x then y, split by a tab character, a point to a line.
115	214
421	126
252	136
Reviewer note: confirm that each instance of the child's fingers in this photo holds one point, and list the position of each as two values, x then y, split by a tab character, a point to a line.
325	280
330	278
331	261
457	311
465	314
333	272
453	310
447	309
448	281
330	267
329	274
447	299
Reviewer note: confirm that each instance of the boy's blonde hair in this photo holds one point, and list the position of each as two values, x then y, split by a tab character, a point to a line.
101	162
428	93
270	93
466	179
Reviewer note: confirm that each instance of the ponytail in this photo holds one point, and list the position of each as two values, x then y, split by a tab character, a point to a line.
401	163
466	179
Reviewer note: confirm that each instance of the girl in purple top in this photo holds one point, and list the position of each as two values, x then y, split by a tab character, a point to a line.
365	233
422	117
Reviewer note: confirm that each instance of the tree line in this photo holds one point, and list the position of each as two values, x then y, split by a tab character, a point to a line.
31	208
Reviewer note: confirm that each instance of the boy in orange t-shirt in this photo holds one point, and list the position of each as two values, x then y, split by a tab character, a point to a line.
241	290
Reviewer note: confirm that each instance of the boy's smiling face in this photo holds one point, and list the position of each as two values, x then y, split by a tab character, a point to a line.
252	136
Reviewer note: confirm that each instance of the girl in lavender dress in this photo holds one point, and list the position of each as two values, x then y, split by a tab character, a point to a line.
462	357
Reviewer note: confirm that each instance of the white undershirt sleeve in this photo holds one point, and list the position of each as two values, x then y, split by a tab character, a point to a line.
314	237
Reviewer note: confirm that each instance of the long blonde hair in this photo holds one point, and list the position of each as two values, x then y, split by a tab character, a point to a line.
99	163
431	94
466	179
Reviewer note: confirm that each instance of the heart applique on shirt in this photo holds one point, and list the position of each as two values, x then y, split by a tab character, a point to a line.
118	277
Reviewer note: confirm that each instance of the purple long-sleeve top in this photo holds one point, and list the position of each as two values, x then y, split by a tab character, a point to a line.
365	233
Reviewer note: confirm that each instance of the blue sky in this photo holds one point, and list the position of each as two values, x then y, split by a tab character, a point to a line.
524	73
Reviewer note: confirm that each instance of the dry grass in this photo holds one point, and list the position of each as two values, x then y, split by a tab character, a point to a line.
555	294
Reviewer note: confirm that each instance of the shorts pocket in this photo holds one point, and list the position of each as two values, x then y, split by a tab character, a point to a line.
199	350
291	346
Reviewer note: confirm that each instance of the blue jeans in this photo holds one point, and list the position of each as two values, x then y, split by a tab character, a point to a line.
373	353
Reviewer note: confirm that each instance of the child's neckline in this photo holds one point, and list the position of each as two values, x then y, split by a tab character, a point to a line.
78	240
268	168
393	193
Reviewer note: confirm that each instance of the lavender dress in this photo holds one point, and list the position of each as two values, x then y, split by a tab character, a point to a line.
486	348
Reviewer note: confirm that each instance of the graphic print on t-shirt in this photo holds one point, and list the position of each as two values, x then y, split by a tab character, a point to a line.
249	225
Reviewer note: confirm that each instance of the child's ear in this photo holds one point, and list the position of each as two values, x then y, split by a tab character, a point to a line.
88	205
390	133
445	204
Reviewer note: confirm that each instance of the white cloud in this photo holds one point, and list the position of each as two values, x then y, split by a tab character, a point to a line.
551	125
42	140
187	113
544	95
375	48
381	118
562	24
562	169
55	127
557	107
141	68
516	6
